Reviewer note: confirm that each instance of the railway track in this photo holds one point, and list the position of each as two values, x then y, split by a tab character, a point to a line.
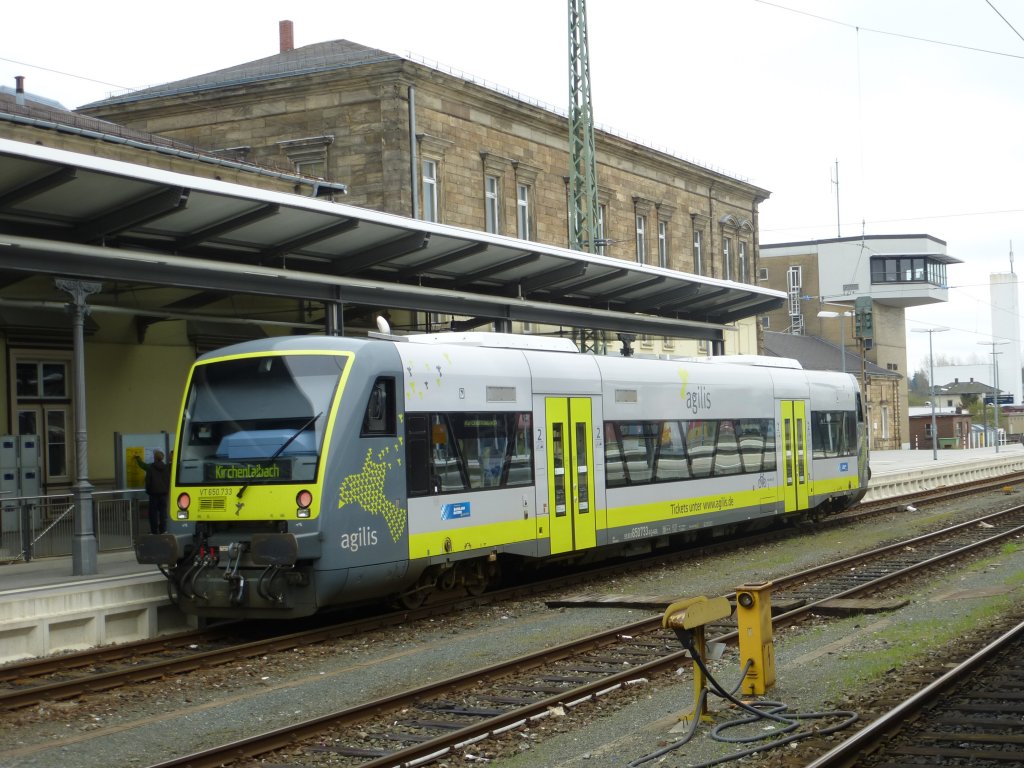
429	722
66	676
969	716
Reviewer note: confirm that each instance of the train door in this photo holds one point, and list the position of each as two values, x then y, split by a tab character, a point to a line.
794	454
570	473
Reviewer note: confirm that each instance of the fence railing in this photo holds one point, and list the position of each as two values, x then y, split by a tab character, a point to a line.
44	526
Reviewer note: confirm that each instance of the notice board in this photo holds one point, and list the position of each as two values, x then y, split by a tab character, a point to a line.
128	446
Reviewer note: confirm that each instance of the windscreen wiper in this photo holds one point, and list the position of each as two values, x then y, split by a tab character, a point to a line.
284	445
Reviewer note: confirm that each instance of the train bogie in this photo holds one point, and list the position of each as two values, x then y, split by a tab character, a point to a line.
314	472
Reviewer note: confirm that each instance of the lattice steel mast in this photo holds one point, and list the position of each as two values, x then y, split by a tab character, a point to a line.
583	211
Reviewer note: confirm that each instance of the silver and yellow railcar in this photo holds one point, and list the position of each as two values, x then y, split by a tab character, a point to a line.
312	472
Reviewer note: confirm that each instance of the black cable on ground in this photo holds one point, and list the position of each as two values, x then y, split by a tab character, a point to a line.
698	707
764	710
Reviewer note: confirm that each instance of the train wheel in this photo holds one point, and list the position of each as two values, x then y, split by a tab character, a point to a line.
448	579
417	595
475	578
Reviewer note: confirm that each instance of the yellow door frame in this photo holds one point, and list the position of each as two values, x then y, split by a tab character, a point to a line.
572	520
794	454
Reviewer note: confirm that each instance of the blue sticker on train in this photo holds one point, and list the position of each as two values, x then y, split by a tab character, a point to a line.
844	466
455	511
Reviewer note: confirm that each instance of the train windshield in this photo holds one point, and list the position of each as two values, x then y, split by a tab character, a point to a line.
257	420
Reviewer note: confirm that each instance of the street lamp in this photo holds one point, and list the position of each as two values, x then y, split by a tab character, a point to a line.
842	329
995	386
931	385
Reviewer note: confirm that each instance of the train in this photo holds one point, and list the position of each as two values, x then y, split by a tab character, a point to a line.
313	472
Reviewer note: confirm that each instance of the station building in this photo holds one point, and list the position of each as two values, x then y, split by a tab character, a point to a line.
416	140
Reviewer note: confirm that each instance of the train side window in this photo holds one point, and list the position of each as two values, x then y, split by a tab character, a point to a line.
639	445
519	462
770	463
379	418
454	452
417	456
672	461
753	441
700	445
447	462
727	450
614	464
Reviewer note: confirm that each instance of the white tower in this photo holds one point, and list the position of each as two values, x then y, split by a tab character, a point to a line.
1006	327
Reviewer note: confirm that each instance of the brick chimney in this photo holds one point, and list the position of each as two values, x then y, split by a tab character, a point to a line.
287	35
19	89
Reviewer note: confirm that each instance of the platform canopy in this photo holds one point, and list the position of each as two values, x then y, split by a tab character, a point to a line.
164	244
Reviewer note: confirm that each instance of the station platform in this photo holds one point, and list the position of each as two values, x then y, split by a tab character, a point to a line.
894	473
46	609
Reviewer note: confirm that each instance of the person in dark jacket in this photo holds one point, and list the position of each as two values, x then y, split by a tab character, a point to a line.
158	489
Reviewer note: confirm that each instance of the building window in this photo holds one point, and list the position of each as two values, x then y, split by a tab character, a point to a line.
907	269
641	239
43	407
662	243
523	211
743	261
794	277
308	156
491	204
602	212
726	258
698	259
430	191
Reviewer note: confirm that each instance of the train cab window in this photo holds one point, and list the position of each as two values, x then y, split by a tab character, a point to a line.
833	434
379	418
258	417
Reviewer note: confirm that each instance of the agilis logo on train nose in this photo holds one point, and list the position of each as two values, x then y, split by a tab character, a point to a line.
363	537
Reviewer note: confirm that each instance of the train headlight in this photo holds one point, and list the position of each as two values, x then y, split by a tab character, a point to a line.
303	501
184	502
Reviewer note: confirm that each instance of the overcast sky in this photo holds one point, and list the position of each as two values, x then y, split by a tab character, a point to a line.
920	101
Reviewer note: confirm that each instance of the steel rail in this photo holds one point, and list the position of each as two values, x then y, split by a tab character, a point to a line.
287	736
853	747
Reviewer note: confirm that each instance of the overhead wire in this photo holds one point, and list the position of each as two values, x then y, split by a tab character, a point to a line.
63	74
901	219
999	13
903	35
